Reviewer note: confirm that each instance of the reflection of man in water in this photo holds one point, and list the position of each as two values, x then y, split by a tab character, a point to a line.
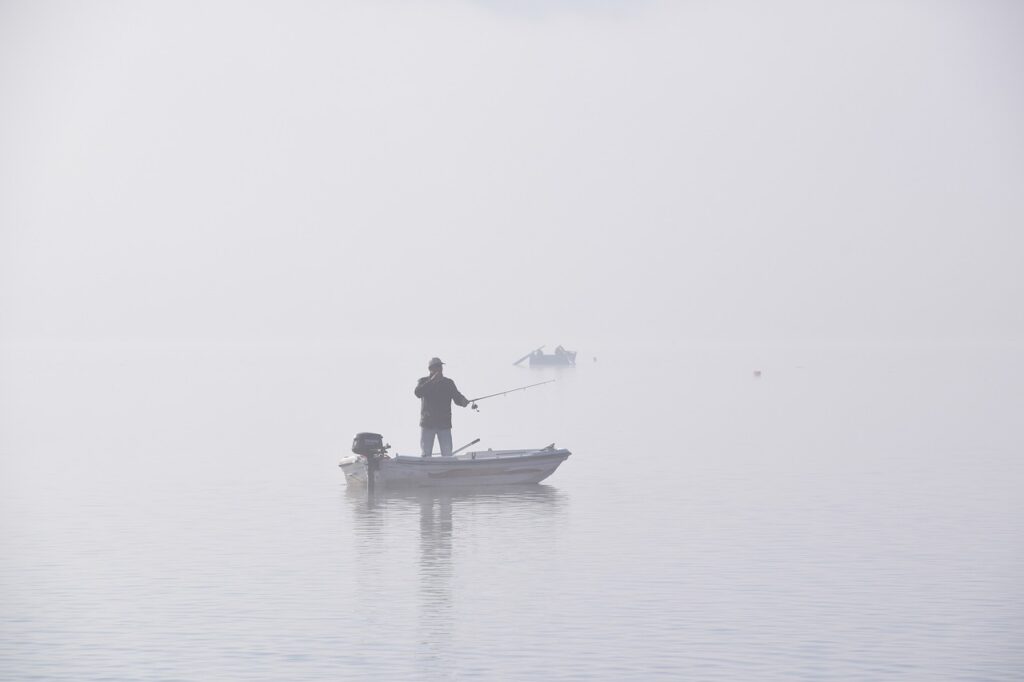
437	393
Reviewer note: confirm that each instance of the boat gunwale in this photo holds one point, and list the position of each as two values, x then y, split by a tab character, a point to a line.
494	456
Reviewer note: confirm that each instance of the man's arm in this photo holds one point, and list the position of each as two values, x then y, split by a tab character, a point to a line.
457	397
418	391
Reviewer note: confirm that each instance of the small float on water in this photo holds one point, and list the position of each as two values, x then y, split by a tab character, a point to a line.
538	358
371	465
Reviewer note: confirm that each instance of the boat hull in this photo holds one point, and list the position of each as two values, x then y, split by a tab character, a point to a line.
491	467
567	360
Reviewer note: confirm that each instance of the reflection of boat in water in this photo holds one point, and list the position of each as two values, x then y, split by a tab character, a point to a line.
487	467
417	552
529	498
560	358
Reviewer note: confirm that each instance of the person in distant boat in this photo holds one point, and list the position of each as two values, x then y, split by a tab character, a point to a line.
437	393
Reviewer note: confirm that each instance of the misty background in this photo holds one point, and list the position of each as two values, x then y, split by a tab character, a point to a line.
232	234
613	172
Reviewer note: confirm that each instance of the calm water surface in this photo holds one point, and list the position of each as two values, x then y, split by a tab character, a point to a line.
176	513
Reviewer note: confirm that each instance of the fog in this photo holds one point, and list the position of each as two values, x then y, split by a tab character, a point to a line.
785	239
652	173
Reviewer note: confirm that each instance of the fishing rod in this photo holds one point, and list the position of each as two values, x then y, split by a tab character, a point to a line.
455	452
511	390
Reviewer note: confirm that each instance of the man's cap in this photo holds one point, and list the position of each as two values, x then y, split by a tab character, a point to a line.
434	362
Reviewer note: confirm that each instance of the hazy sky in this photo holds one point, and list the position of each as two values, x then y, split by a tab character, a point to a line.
559	172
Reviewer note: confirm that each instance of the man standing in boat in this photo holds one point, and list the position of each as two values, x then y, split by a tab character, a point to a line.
437	393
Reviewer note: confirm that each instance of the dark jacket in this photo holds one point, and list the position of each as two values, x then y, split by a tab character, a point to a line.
436	400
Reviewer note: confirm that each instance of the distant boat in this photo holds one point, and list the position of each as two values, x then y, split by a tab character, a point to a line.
487	467
561	357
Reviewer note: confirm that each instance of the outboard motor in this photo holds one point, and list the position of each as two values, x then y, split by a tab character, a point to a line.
368	444
372	447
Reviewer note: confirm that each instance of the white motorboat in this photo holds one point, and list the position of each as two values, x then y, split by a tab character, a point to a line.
486	467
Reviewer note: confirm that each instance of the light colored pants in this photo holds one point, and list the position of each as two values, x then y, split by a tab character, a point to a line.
444	439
